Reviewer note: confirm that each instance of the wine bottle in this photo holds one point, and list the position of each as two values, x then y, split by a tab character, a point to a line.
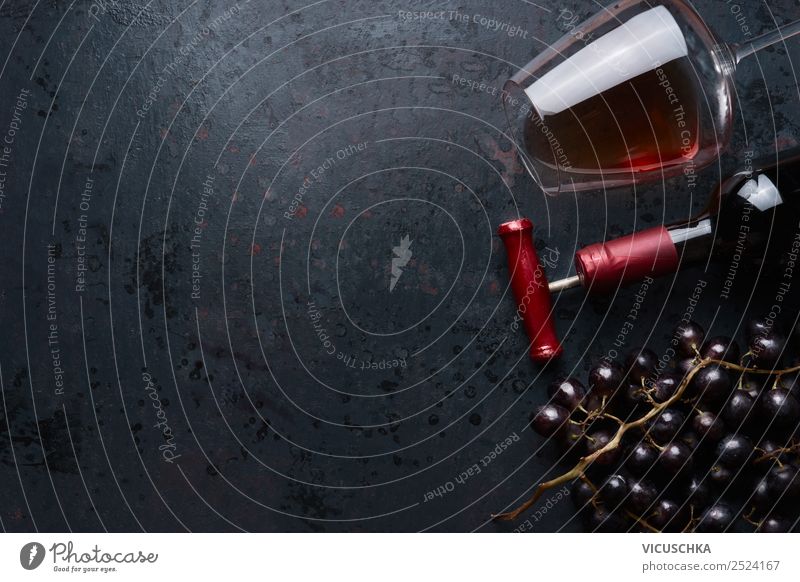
751	225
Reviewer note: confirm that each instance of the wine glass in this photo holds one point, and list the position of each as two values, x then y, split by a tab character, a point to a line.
641	91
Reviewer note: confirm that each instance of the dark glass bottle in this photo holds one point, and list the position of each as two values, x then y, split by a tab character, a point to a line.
751	226
752	220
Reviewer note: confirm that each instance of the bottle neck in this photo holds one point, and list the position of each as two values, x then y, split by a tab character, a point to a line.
693	240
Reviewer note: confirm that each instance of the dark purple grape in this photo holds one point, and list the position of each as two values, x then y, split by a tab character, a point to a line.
666	516
762	500
721	348
634	394
716	519
605	378
711	384
614	491
688	338
738	409
755	328
593	402
753	385
734	451
684	366
780	408
767	348
690	439
549	419
665	387
676	457
721	476
666	425
775	524
698	492
641	458
596	441
641	498
791	382
783	482
568	393
603	520
709	426
571	435
640	363
582	493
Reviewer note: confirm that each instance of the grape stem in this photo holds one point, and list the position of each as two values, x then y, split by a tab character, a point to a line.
775	454
578	470
641	521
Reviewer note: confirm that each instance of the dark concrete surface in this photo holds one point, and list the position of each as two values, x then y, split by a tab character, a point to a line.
190	341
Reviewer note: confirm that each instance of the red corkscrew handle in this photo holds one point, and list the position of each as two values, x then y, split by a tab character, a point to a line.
530	286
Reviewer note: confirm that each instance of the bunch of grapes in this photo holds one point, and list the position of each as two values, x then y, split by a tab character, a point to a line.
707	442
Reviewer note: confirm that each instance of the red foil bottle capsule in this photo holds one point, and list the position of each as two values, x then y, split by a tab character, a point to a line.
529	283
647	253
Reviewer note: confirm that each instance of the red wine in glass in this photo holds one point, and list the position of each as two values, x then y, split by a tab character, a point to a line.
649	122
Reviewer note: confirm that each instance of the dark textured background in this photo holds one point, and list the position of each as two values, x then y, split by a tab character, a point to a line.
273	433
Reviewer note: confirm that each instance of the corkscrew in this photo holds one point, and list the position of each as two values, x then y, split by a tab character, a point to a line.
750	198
599	267
530	287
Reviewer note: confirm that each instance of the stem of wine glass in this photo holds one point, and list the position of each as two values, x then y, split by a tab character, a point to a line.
746	49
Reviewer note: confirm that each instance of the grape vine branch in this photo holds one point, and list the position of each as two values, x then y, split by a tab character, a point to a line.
578	471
